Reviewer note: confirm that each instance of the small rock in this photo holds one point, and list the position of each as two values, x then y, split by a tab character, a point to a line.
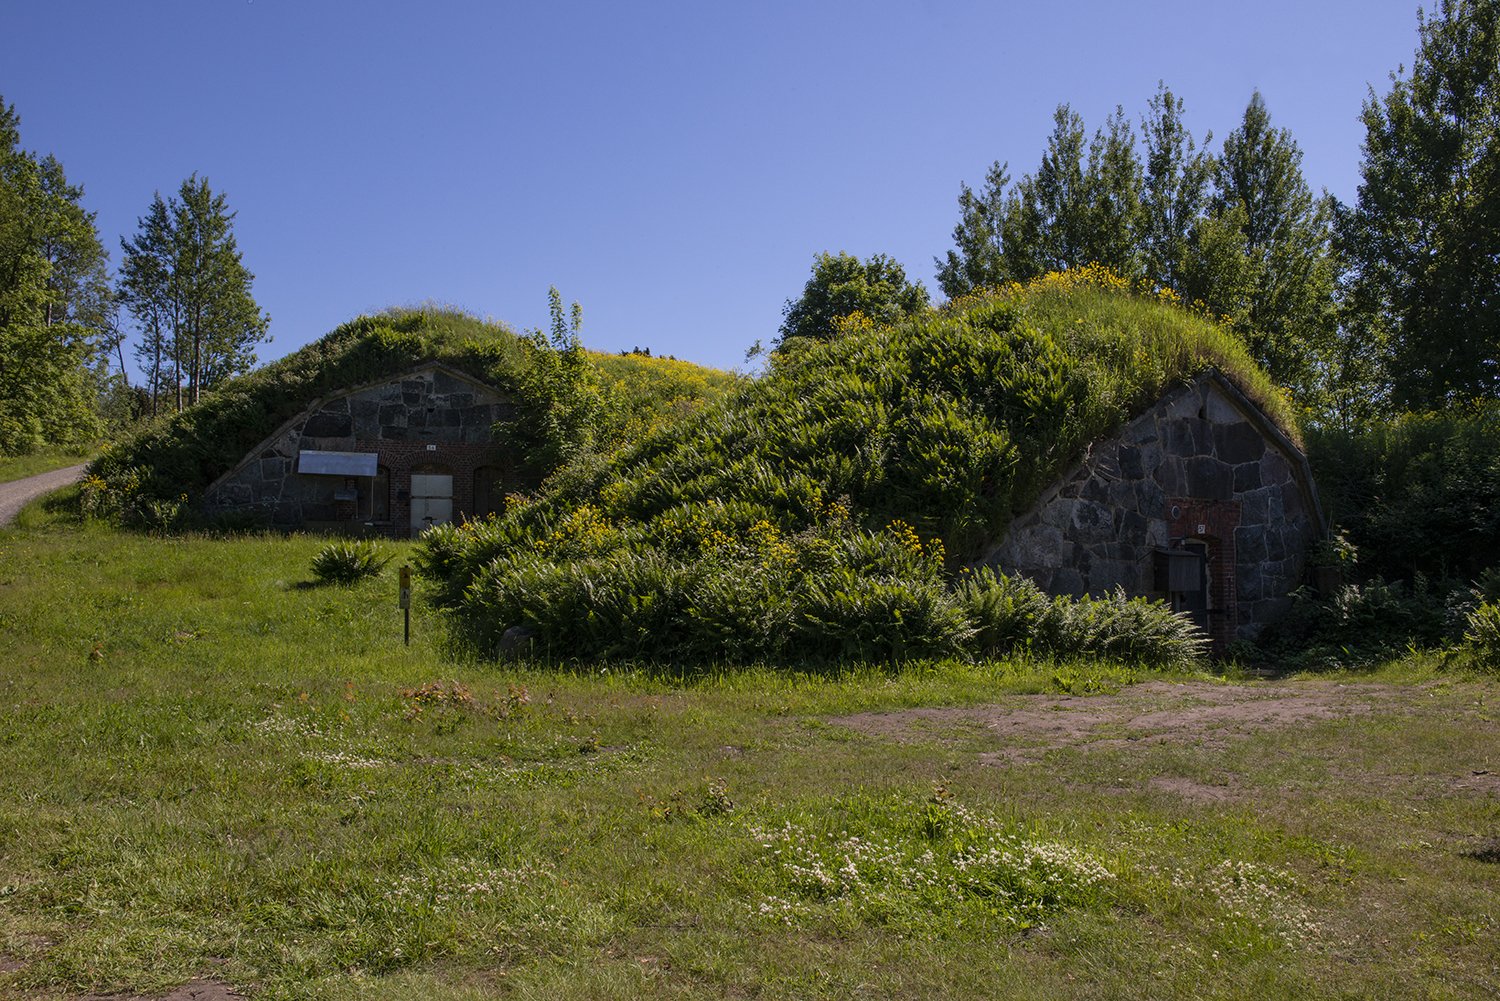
515	641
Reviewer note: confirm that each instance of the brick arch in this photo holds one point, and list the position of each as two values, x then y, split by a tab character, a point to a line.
1213	523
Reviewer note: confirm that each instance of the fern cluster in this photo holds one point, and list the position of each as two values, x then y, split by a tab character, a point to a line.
348	561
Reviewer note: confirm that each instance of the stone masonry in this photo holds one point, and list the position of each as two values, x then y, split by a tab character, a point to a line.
432	419
1204	467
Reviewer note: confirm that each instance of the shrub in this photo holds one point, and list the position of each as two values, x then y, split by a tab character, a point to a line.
348	561
1011	614
1482	638
1419	493
1360	623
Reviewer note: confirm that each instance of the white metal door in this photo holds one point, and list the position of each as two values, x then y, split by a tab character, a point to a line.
431	500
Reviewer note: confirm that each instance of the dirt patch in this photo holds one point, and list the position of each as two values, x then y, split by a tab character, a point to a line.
1192	714
195	990
1191	789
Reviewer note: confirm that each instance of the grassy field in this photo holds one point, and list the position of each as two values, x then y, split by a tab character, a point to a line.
16	467
214	769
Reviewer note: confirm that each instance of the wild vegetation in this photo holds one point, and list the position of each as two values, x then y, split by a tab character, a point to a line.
55	338
1415	499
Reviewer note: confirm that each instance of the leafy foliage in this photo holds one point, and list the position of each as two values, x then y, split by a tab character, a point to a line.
843	286
1239	235
348	561
1011	615
1482	637
1419	493
183	280
566	402
1421	238
1263	256
55	307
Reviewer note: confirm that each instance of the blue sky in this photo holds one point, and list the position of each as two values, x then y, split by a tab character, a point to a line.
674	167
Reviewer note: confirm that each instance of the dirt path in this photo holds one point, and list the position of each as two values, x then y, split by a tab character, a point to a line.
1022	730
1157	712
18	493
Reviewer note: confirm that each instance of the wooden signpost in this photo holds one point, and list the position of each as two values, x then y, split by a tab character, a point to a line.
405	602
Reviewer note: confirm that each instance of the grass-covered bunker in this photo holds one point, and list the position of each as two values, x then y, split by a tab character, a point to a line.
1201	500
847	503
395	456
386	425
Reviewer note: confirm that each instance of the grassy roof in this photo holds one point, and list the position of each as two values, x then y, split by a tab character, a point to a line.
185	452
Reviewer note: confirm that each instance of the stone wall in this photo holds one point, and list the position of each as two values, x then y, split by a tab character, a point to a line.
432	418
1203	464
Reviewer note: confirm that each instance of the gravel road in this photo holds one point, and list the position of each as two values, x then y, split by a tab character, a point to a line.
18	493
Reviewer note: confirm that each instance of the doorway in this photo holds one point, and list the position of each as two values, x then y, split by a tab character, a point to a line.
431	500
1194	600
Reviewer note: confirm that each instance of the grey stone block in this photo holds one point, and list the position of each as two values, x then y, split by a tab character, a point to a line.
1238	443
326	424
1209	479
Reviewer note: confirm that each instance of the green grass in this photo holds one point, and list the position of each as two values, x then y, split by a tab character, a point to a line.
18	467
216	768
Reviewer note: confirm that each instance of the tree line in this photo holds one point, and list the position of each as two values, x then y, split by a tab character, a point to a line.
63	372
1389	303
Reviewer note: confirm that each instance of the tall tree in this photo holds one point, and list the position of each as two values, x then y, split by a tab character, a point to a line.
54	300
1422	238
1262	203
183	279
1113	188
1047	224
842	285
1081	206
146	291
978	257
1174	190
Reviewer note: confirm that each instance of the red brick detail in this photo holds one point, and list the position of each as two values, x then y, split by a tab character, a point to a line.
1214	522
459	458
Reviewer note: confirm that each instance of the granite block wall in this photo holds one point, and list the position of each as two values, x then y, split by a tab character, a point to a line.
1202	464
430	419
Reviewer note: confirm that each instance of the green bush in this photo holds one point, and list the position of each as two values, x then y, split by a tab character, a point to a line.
1362	623
347	561
1012	615
1419	494
1482	637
